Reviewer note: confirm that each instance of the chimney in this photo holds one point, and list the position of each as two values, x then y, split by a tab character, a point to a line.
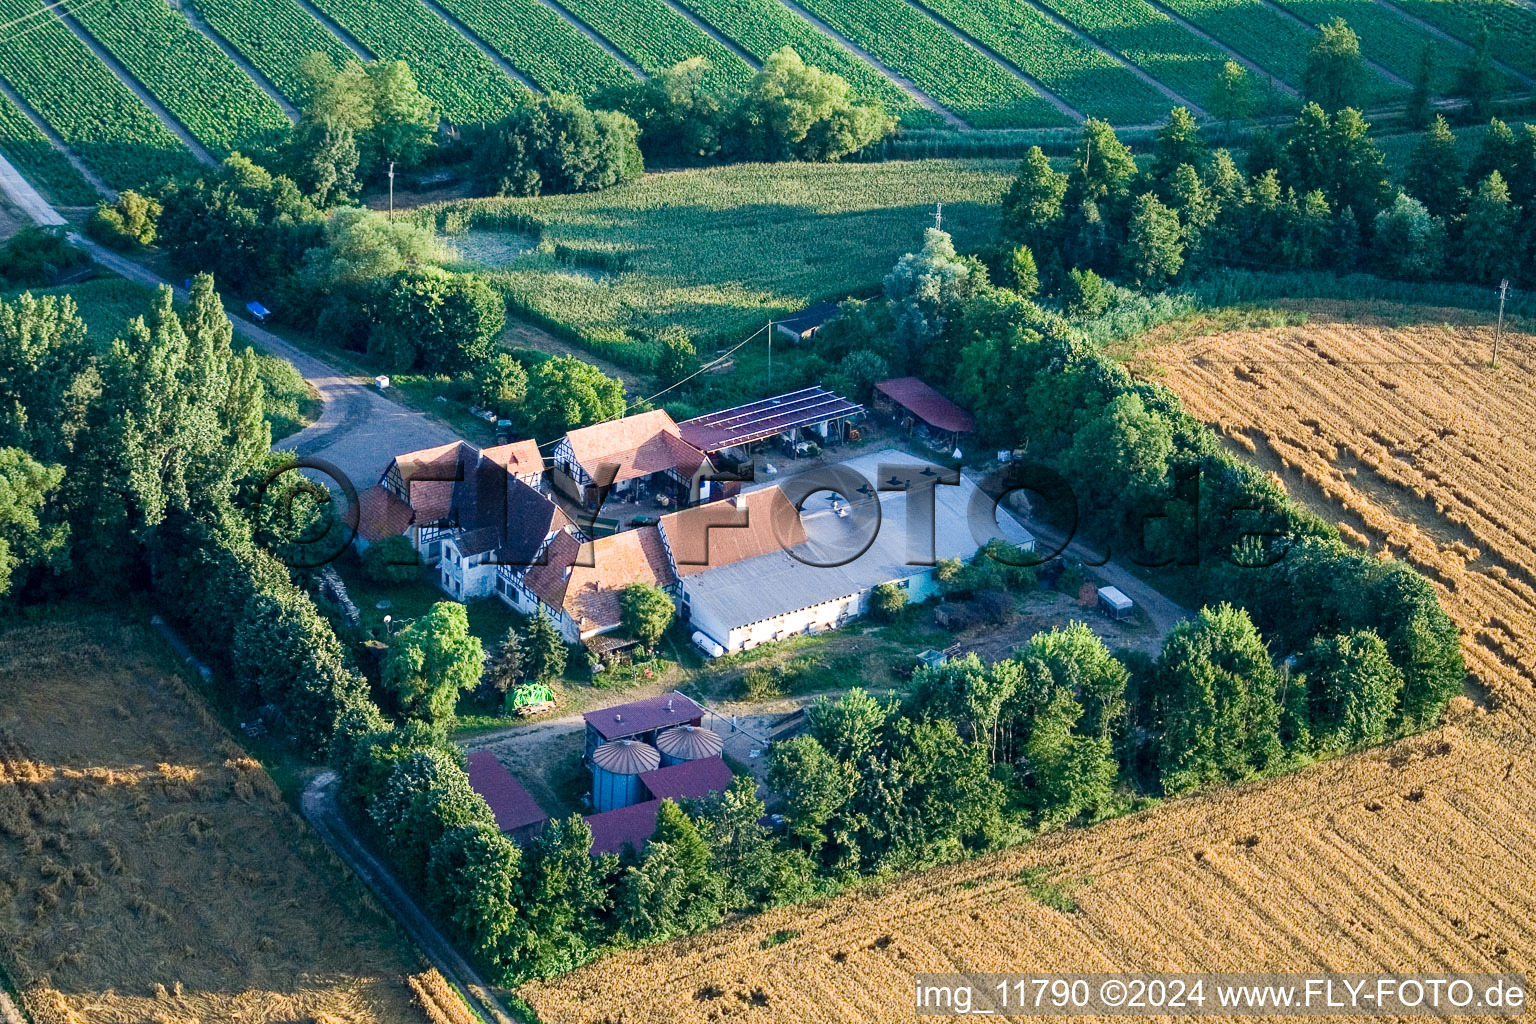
618	718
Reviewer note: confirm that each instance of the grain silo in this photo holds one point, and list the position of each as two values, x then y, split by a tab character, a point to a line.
688	743
616	770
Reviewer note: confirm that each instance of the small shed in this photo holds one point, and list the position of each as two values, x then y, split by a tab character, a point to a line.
1114	604
517	813
804	325
921	409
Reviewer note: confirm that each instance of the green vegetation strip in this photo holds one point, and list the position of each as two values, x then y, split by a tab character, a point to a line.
976	88
34	156
275	36
1084	77
1511	26
95	114
656	37
1162	47
209	95
448	67
716	252
541	44
763	26
1267	37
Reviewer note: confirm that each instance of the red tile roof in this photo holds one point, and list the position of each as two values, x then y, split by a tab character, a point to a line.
689	780
380	514
585	581
518	458
927	404
643	716
509	801
626	826
724	532
637	445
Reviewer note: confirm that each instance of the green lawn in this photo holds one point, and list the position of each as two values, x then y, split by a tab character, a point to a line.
718	252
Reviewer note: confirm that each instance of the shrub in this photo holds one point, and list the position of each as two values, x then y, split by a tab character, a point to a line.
391	560
887	601
126	224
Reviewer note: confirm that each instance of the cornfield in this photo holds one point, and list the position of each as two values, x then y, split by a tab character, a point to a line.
149	869
1413	857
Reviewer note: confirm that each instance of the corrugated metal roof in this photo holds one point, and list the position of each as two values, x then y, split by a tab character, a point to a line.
922	401
643	715
626	757
689	780
513	807
689	742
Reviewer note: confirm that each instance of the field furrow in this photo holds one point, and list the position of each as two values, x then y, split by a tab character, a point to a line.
763	26
974	87
1096	84
656	37
1511	26
1266	36
467	86
1388	38
541	44
95	114
212	98
1155	43
275	36
30	152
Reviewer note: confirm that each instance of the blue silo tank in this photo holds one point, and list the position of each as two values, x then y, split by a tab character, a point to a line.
616	770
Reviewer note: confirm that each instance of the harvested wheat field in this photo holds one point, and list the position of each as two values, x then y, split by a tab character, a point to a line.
1407	439
161	877
1416	856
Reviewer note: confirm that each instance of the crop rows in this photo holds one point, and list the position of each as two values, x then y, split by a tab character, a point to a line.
209	95
1267	37
764	26
465	84
274	35
950	71
1093	83
1511	26
99	118
656	37
540	44
34	156
1385	37
1160	46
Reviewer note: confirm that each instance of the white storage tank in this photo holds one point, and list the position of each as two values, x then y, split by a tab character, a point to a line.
688	743
708	646
616	771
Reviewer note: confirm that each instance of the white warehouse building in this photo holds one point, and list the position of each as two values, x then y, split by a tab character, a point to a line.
742	584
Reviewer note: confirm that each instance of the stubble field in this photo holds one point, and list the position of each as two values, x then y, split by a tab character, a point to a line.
1412	857
160	877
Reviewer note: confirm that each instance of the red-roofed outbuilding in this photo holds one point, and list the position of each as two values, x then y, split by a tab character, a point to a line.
517	813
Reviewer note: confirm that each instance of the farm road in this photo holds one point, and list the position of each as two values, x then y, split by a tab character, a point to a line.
319	806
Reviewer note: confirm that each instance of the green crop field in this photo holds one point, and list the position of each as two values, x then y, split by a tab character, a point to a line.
213	99
763	26
104	123
977	89
274	35
1386	37
720	251
465	84
1093	83
34	156
656	37
1160	46
1511	26
538	42
1265	36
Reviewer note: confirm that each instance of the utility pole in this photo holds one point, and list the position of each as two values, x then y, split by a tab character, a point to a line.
770	350
938	217
1498	331
391	190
